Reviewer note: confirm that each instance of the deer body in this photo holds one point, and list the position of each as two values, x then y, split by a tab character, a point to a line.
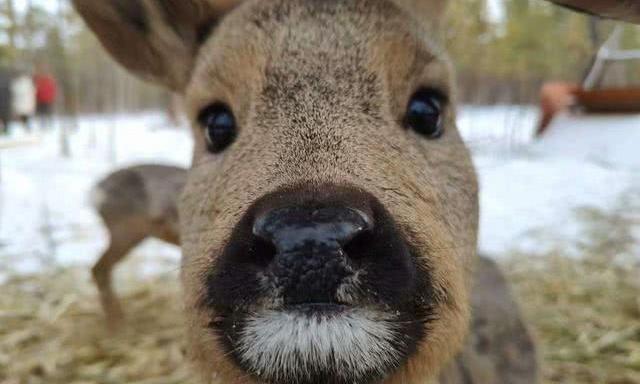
329	219
134	203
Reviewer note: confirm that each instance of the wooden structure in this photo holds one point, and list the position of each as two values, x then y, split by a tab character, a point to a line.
591	96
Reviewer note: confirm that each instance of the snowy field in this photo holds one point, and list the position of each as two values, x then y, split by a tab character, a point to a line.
530	190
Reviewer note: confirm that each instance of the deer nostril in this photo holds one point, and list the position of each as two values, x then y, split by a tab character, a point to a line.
359	247
362	225
263	251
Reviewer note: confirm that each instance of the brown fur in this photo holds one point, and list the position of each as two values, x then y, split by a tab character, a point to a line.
318	89
499	348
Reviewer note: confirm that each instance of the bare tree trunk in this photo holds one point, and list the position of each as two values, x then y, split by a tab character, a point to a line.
67	95
12	31
29	31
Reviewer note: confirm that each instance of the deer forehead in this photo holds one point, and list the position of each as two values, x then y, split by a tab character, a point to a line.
351	56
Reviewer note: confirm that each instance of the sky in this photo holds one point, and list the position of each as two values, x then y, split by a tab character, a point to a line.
496	11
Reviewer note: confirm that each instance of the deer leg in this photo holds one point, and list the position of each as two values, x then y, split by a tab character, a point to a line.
123	239
167	232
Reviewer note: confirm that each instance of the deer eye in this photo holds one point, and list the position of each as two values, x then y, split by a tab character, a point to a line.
424	114
219	127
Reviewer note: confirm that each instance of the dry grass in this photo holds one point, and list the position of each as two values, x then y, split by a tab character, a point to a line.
52	331
585	312
586	315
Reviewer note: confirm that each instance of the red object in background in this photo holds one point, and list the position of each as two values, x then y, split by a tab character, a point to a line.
46	89
610	100
555	97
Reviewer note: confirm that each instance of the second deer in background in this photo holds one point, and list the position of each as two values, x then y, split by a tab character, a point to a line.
134	204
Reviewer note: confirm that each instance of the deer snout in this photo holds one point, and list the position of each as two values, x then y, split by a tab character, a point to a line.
311	248
301	249
319	285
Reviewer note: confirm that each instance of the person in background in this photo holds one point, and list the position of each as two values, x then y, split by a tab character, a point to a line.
23	93
5	99
46	92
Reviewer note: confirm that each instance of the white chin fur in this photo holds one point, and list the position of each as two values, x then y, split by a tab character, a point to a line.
289	345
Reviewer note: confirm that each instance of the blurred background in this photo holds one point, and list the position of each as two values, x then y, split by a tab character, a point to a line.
559	171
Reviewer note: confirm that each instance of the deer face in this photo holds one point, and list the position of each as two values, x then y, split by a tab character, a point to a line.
330	216
329	220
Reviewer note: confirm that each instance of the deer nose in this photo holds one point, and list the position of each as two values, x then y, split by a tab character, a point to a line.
311	249
295	229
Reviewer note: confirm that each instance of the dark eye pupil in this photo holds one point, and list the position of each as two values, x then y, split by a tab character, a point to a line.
424	115
220	127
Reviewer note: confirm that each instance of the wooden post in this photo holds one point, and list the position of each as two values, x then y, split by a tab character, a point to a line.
65	148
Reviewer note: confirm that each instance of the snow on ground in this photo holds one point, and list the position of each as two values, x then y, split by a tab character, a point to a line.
530	190
45	214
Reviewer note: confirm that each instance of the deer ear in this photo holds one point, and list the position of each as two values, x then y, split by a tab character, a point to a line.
626	10
155	39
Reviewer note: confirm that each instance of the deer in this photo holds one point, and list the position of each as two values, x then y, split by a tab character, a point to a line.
134	203
329	219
